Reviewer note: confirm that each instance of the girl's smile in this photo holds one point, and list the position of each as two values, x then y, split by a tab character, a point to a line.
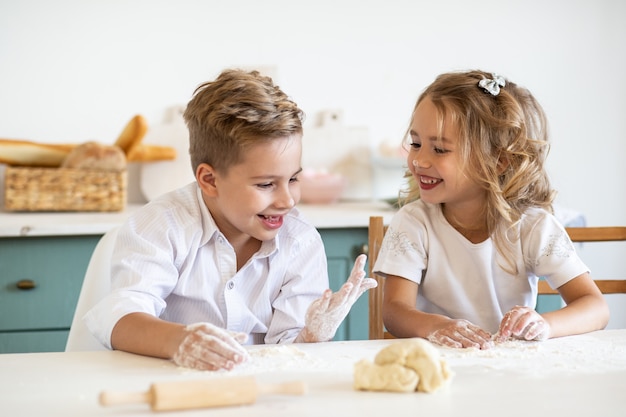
428	183
434	161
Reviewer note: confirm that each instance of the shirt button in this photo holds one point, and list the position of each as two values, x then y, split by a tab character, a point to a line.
231	285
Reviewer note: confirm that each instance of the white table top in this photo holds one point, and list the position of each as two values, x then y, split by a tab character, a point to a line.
573	376
340	215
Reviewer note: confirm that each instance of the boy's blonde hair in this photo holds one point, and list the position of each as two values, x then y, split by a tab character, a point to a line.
235	111
503	144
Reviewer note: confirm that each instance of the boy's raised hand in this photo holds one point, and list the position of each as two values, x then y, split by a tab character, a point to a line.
326	313
208	347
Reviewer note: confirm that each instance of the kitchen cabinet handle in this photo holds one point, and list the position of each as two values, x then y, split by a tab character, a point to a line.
25	284
365	249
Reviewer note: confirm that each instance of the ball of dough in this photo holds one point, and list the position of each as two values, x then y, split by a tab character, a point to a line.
94	156
399	360
395	353
424	358
369	376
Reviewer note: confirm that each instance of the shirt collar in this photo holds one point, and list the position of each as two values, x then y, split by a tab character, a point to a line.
209	228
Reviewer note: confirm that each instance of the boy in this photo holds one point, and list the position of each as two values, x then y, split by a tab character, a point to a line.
226	259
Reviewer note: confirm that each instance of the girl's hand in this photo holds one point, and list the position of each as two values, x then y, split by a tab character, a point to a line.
523	323
461	334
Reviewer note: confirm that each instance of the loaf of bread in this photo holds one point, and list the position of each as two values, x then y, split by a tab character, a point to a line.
17	152
25	153
95	156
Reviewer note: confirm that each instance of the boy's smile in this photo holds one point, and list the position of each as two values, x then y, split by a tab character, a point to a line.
249	200
272	222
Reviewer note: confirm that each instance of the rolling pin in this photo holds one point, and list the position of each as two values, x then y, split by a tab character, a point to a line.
184	395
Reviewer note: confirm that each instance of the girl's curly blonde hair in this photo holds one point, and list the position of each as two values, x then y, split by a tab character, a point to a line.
503	145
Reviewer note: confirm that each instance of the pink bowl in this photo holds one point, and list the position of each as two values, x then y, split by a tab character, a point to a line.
321	187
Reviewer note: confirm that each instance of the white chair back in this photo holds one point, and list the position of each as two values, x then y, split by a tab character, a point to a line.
96	285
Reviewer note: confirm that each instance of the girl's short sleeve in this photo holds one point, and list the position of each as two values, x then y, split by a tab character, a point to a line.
405	247
548	250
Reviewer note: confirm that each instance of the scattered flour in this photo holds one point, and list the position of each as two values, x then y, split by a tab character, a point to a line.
265	358
589	354
271	358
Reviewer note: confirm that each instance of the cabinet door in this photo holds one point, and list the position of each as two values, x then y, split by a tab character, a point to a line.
548	302
342	247
33	341
56	266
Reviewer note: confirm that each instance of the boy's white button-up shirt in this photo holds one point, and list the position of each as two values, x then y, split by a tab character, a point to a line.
172	262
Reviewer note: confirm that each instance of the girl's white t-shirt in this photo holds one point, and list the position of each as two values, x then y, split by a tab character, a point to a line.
463	280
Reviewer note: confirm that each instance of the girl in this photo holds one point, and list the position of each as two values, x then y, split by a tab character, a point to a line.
463	255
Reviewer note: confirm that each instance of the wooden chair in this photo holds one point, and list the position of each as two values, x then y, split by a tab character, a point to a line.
377	231
595	234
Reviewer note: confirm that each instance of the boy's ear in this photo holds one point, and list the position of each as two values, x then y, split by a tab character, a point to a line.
205	176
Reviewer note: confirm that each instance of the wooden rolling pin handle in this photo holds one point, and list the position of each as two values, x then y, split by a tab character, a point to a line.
117	398
285	388
184	395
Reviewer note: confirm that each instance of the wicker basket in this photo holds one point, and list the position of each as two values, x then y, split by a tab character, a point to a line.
63	189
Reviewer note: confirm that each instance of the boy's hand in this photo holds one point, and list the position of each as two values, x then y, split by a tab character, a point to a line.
326	313
208	347
461	334
523	323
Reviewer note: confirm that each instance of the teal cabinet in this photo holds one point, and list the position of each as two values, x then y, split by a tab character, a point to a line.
38	319
548	302
342	247
40	279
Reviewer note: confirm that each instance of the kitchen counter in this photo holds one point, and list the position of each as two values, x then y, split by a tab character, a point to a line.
572	376
339	215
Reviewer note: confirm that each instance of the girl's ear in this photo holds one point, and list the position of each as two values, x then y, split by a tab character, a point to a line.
205	176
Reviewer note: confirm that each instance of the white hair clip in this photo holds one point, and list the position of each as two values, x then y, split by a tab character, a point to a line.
492	86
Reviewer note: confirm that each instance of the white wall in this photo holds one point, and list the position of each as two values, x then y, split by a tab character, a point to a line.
77	70
74	70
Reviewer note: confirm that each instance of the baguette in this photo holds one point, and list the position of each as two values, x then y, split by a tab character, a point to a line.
16	152
150	153
26	153
133	133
